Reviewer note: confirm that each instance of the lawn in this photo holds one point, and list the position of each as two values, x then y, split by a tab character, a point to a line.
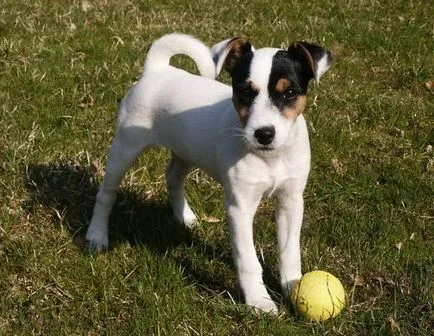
369	218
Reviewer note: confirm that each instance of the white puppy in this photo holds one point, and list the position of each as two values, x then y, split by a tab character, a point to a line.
251	137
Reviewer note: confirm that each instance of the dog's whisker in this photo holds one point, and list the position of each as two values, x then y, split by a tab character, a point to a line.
238	129
236	132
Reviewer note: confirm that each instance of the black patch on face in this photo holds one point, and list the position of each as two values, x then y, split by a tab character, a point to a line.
242	89
284	66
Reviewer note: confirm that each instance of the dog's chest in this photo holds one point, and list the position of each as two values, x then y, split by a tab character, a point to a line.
279	171
271	173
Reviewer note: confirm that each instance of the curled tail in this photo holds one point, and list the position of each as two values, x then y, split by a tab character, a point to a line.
174	44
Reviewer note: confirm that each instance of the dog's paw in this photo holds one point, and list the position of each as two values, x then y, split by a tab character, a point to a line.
264	305
97	245
187	217
97	239
288	285
190	219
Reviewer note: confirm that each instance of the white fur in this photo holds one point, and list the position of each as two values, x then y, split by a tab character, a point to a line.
195	118
219	53
173	44
322	66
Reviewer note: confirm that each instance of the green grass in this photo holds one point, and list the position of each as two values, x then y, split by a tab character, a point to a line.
369	202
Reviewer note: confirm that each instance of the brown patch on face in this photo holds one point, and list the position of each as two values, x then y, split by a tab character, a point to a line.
281	85
243	111
239	100
292	112
252	86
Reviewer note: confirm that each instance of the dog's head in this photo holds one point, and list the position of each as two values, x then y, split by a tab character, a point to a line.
270	86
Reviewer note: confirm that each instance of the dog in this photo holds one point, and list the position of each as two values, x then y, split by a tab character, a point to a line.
251	137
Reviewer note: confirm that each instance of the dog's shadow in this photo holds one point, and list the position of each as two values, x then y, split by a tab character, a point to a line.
69	191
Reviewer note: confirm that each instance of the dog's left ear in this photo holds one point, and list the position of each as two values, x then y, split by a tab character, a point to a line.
315	59
226	54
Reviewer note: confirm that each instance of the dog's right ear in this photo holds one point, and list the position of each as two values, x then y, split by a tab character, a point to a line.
315	59
227	53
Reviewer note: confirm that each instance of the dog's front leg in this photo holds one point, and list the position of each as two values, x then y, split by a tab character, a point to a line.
241	206
289	217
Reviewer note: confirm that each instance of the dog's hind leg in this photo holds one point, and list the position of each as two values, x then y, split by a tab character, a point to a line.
175	176
127	146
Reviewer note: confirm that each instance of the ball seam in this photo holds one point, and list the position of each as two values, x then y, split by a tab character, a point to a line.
331	297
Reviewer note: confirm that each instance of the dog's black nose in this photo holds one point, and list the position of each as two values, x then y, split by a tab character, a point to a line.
265	135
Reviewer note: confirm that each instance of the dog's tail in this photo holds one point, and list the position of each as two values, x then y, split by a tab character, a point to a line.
174	44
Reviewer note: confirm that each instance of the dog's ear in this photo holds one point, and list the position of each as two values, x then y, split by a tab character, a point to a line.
315	59
227	53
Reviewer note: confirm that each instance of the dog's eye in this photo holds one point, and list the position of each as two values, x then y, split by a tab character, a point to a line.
289	93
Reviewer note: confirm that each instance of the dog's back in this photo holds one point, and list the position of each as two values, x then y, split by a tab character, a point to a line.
184	111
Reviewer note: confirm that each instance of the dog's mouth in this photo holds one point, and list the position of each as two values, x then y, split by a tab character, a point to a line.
264	149
258	148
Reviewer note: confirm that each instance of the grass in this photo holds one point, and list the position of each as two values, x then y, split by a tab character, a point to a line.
369	202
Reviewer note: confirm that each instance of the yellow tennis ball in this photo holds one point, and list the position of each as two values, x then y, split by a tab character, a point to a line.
318	296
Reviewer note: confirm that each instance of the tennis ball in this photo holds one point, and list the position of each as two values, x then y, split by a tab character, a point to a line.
318	296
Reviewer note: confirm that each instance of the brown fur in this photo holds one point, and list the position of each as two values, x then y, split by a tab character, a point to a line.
282	85
243	111
252	86
301	49
236	47
294	111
